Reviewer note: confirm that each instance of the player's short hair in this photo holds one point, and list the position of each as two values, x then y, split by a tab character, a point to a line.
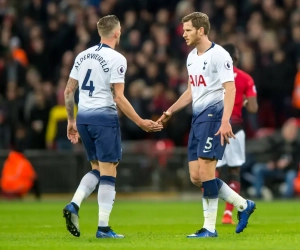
232	50
106	24
198	19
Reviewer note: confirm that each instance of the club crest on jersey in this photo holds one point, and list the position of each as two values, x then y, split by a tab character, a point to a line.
204	65
227	65
197	80
121	70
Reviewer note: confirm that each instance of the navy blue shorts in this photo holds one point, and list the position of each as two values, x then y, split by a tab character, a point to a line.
203	143
101	143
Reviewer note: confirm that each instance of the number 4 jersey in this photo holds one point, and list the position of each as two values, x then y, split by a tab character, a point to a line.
96	69
207	73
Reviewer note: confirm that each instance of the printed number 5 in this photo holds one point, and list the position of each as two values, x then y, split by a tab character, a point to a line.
208	144
84	86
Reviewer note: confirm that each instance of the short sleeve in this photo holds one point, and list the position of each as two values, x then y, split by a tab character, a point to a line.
251	90
74	72
224	67
118	70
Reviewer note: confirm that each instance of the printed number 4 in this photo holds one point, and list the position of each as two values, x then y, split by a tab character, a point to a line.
90	87
208	144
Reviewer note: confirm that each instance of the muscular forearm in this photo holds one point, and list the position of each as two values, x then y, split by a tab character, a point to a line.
182	102
127	109
71	87
69	102
228	102
251	105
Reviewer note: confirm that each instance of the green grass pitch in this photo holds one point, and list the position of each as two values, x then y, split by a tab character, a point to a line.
146	225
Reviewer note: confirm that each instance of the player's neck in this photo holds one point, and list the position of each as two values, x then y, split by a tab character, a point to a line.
203	46
110	42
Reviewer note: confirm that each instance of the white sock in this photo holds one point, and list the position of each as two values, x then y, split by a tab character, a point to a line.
227	194
106	198
210	209
86	187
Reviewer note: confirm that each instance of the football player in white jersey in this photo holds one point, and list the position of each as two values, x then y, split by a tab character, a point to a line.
99	73
210	72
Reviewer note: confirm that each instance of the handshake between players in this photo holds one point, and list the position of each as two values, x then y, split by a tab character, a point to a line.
151	126
146	125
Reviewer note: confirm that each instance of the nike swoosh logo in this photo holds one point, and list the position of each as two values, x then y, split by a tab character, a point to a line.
205	151
189	64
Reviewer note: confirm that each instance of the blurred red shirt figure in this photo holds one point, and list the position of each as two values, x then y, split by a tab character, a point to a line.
18	175
245	88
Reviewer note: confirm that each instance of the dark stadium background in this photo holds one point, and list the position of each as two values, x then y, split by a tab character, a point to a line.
39	40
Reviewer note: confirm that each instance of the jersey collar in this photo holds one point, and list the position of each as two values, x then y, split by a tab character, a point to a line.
212	45
103	45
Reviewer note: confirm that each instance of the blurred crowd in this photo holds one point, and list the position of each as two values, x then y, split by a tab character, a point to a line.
39	40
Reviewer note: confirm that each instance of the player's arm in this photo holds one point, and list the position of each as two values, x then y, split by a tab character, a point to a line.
251	104
122	102
224	67
69	93
229	98
117	81
225	130
251	100
184	100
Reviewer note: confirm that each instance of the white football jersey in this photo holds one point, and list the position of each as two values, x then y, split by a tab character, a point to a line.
207	73
96	69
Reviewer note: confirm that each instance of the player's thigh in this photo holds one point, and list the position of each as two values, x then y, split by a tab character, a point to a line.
88	143
194	171
108	168
207	169
209	145
107	141
209	148
192	146
95	165
235	151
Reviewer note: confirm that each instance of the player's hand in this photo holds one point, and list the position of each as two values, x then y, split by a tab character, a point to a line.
72	132
151	126
226	132
165	117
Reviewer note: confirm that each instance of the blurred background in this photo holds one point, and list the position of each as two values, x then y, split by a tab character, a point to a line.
39	40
